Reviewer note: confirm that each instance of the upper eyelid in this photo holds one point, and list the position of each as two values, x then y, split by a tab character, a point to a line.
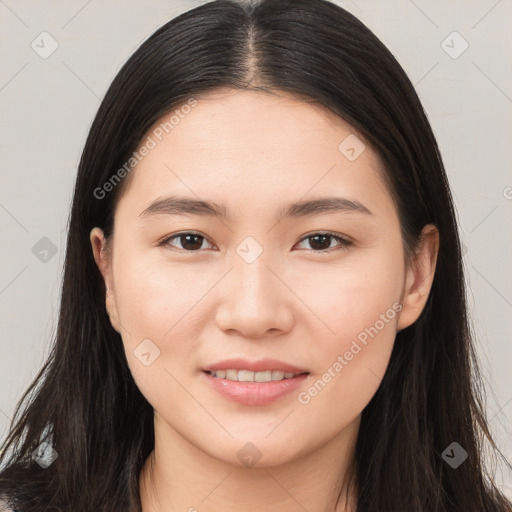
325	232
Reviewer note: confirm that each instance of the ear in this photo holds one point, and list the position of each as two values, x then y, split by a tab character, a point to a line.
103	259
419	277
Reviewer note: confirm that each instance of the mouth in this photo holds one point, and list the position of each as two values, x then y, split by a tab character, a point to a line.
243	375
254	383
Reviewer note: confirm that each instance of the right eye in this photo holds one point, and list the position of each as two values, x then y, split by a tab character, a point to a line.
189	241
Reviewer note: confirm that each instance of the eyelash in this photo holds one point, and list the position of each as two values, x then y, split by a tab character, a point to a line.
343	242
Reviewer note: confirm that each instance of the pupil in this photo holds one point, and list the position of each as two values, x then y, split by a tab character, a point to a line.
187	245
315	238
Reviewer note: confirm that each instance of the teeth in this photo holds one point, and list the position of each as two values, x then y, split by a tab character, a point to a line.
248	376
263	376
232	374
245	376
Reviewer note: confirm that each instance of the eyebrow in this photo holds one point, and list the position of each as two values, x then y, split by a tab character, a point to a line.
176	205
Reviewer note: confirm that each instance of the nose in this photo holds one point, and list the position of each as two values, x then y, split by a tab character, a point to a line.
255	300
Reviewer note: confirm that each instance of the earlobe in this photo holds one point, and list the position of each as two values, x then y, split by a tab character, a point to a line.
419	277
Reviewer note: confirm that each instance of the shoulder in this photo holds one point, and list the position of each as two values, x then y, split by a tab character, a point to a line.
4	507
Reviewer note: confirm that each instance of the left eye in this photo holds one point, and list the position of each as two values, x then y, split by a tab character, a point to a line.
191	242
322	239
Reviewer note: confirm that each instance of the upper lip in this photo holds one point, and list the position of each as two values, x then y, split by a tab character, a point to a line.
254	366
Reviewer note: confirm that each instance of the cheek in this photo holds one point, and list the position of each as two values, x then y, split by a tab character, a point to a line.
155	305
359	308
152	294
155	301
338	394
351	296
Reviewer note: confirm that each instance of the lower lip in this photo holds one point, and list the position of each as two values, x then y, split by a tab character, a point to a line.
255	393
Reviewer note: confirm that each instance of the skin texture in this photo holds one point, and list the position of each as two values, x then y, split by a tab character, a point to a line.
255	153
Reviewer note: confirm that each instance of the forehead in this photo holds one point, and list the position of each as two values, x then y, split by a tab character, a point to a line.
253	143
227	118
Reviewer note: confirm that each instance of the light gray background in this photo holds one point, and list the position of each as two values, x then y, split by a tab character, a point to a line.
47	106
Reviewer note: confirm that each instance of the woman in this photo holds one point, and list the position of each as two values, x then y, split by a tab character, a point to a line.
263	304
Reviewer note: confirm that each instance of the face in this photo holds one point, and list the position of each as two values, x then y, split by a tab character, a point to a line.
322	290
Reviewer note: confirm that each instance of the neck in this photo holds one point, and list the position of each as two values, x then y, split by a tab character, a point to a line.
178	476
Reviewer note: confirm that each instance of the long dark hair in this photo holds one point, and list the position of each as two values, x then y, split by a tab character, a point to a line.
84	401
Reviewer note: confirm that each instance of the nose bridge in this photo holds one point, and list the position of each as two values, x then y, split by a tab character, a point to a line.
253	301
251	265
